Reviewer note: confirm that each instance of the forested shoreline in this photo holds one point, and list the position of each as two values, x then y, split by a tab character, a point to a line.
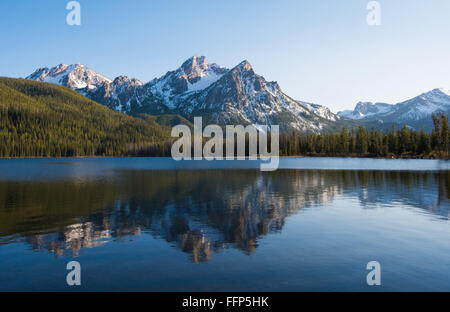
397	143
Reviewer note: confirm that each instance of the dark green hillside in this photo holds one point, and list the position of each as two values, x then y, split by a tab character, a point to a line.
42	119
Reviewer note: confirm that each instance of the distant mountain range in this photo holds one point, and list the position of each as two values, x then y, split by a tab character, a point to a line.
235	96
415	112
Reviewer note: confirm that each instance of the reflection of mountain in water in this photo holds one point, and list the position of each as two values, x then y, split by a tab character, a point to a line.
199	212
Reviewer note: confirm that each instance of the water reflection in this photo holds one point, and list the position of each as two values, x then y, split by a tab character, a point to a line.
198	212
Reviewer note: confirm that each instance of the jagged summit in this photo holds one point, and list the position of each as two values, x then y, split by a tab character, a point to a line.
126	80
195	64
245	65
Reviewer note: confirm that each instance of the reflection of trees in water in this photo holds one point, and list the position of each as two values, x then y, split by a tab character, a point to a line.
425	190
199	212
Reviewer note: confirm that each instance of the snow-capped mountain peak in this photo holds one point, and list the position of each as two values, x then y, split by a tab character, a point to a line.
75	76
438	94
245	65
366	110
195	68
195	74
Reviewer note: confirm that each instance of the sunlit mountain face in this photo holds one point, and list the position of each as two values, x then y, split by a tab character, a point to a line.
199	213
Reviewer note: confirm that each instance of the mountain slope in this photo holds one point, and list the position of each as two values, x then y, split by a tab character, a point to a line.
40	119
201	88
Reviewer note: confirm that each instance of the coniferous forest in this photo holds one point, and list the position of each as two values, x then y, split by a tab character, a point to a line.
47	120
403	142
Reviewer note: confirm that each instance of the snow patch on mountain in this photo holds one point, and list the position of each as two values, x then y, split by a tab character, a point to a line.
204	83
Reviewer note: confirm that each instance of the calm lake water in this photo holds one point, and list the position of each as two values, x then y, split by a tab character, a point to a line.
153	224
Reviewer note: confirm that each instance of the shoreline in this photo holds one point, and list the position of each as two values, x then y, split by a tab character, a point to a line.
290	156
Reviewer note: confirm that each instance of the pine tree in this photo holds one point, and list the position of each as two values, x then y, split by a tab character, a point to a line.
361	141
445	134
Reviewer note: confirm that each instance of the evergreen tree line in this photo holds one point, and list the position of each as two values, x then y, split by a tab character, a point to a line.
403	142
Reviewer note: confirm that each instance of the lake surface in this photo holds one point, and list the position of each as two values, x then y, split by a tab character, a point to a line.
153	224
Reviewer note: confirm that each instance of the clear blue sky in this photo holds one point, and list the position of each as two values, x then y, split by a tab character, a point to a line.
318	51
